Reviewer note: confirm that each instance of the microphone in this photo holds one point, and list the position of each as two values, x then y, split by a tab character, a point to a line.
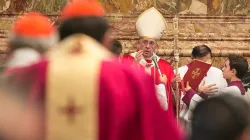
154	58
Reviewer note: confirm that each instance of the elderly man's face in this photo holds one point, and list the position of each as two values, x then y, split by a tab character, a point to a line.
148	46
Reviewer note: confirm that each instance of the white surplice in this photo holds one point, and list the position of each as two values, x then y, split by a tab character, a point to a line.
236	88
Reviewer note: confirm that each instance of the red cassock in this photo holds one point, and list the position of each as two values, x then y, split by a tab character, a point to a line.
127	106
165	68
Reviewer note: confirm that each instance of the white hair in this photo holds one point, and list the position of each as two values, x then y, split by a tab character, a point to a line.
40	44
23	57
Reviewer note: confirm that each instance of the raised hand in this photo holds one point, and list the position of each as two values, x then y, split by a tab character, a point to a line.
139	56
177	78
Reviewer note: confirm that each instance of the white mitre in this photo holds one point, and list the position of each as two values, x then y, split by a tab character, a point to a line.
151	24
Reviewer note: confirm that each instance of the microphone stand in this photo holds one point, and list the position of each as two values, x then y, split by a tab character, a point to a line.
156	65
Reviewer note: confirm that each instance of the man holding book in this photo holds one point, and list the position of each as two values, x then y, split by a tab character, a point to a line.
234	70
204	80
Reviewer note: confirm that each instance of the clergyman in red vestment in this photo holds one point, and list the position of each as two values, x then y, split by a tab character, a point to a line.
31	36
150	26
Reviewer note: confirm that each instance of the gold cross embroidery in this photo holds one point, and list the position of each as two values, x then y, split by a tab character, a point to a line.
196	73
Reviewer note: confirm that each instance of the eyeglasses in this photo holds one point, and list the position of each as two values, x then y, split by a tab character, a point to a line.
150	43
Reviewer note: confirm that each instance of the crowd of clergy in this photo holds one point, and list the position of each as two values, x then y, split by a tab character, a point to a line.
73	82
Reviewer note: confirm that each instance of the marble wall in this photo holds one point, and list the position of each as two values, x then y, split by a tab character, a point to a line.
224	25
225	35
210	7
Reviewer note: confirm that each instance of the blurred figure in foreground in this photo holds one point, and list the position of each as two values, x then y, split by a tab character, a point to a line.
224	117
32	35
84	95
17	122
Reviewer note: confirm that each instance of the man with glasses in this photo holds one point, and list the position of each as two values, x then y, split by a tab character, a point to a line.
150	26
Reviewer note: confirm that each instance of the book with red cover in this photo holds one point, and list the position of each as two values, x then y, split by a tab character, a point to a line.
196	72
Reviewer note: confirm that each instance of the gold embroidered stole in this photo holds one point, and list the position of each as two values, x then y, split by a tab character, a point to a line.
73	89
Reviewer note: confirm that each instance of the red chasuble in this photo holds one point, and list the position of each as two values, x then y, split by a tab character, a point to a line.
165	68
122	104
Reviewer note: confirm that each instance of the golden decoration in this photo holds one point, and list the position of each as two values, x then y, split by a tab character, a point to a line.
196	73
